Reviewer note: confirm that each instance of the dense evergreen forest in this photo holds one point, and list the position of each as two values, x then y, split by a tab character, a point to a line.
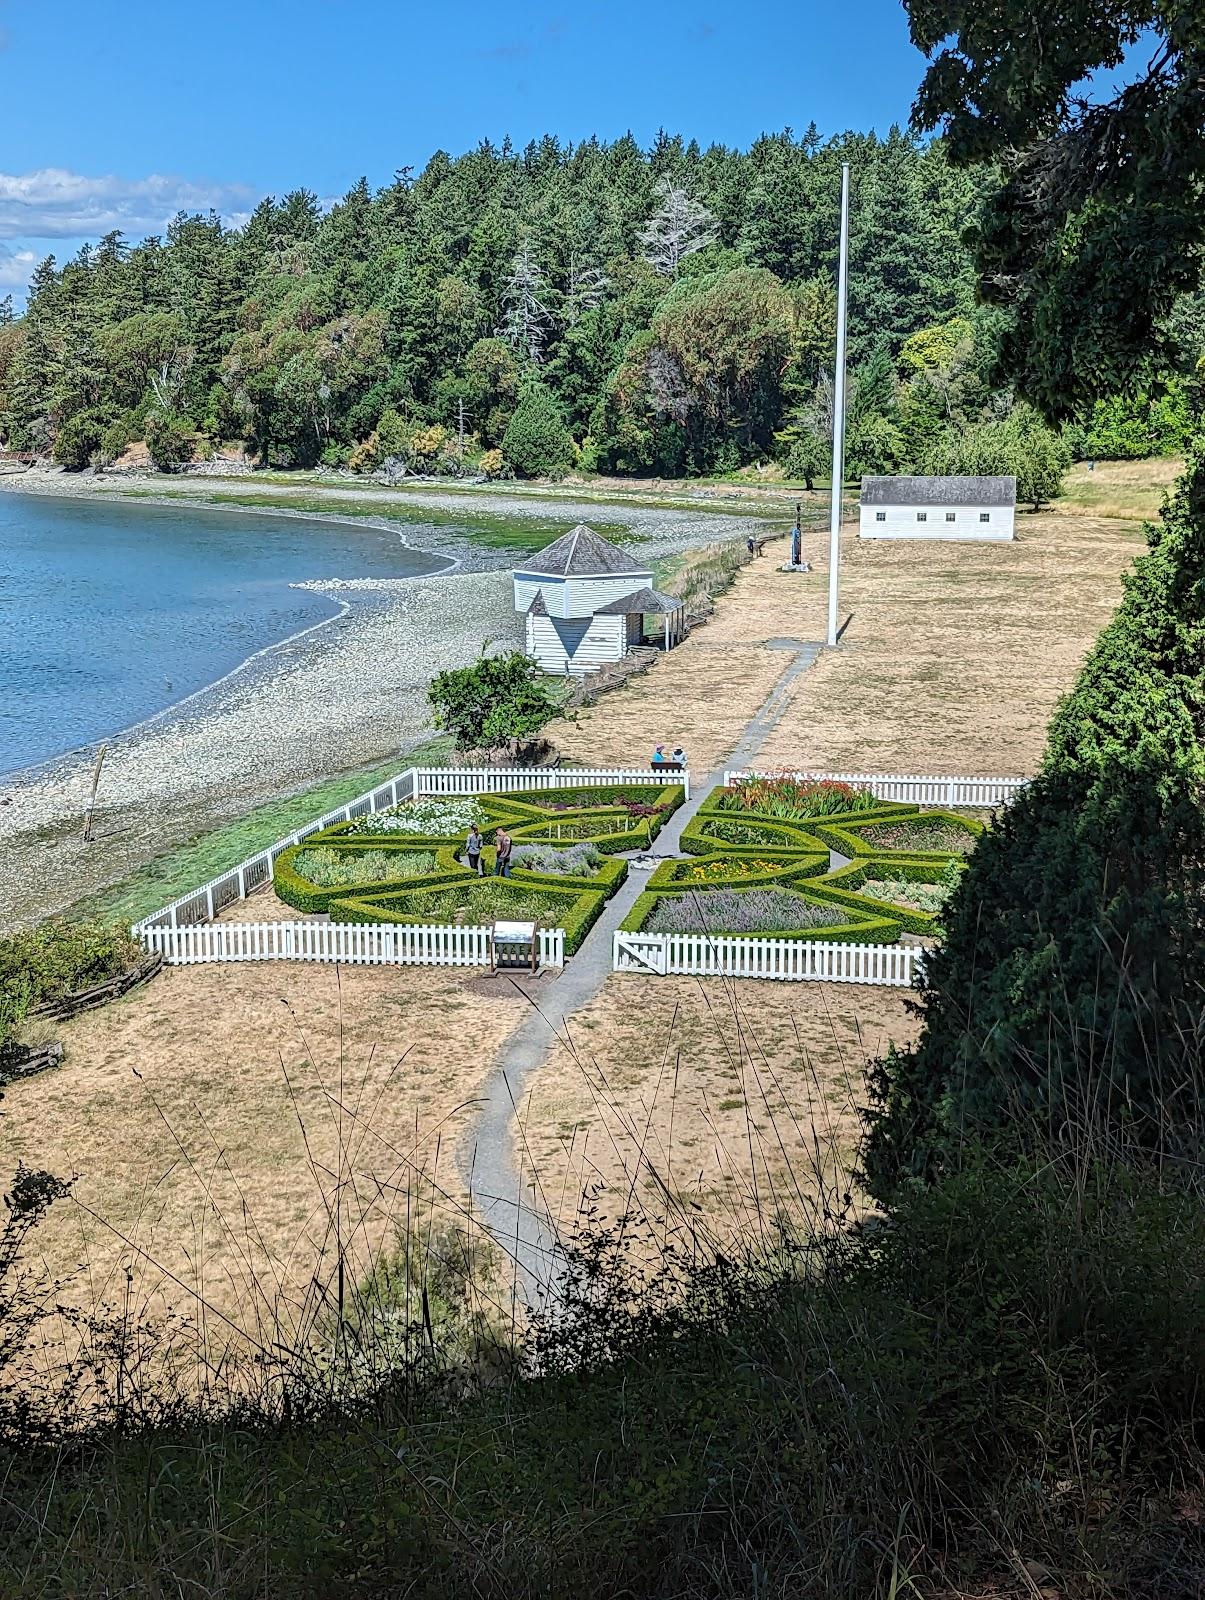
590	308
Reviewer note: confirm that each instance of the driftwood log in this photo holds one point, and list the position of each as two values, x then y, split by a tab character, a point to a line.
85	999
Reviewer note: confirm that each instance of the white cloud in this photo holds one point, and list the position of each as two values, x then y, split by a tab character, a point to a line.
57	204
15	269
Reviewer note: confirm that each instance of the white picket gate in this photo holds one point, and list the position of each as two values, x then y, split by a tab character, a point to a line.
349	943
787	960
919	790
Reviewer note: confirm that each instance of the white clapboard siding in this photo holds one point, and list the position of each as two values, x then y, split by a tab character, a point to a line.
917	789
577	645
349	943
937	522
783	960
578	596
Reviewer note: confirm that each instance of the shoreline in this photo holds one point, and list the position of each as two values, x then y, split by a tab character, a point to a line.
346	693
327	587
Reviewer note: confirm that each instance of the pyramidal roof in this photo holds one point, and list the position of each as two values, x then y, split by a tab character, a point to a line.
579	552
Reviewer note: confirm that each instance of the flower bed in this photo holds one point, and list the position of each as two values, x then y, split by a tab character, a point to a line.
740	868
641	797
914	891
794	799
740	911
709	831
550	860
330	868
933	834
472	901
428	818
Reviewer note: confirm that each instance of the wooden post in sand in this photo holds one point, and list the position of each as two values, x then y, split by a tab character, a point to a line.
96	766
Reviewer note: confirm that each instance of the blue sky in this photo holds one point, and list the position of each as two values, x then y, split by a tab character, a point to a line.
118	115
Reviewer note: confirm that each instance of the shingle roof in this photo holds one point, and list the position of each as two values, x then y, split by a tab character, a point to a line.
643	600
579	552
939	491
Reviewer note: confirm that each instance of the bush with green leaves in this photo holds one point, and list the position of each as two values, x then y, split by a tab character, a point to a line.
1071	984
60	958
170	438
498	699
537	442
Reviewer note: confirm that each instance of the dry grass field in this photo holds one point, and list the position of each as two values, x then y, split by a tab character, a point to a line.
723	1106
952	659
225	1123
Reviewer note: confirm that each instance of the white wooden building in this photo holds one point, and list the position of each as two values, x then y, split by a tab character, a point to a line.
938	508
585	601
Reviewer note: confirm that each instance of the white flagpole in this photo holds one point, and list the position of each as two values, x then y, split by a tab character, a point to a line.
834	537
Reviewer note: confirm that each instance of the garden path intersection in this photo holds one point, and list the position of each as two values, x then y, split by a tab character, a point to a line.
503	1187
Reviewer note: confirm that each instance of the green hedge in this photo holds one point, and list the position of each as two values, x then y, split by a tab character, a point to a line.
607	841
608	878
846	837
297	891
858	930
787	864
700	838
497	815
841	887
669	796
574	910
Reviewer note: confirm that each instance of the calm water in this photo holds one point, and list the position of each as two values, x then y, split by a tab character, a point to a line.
110	613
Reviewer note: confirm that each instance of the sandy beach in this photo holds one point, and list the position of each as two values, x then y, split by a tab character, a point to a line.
342	696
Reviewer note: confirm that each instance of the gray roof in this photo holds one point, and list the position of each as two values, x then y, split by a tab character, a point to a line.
579	552
939	491
643	600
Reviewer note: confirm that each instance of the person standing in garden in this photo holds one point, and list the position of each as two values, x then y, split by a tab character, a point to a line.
472	846
502	850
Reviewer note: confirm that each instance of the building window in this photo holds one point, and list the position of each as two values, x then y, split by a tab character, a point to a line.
951	515
880	516
985	516
922	516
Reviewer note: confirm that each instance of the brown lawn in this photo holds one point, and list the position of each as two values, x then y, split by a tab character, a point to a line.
218	1116
718	1105
953	658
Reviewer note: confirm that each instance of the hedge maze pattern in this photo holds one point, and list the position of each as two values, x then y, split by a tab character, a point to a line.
611	820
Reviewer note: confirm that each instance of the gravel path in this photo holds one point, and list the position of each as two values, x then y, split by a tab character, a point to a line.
493	1157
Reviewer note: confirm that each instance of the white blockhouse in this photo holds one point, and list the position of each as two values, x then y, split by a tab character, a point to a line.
585	602
938	508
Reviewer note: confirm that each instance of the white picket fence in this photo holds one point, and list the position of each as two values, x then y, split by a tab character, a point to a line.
203	904
503	780
920	790
787	960
351	943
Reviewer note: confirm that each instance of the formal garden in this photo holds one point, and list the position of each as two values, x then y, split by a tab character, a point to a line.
406	864
758	863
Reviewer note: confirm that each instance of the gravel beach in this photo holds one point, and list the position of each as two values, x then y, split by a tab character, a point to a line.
348	694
